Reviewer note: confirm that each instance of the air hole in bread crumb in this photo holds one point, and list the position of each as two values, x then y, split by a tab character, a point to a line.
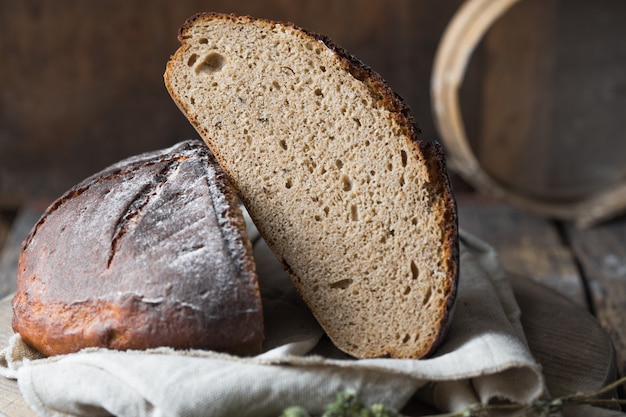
211	63
407	290
414	271
354	213
427	296
283	144
318	92
402	180
342	284
323	68
406	338
203	41
339	163
357	121
318	218
192	100
192	60
326	210
288	183
347	184
404	157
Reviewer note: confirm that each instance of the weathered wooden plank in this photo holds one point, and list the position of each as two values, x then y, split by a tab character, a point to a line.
553	325
22	225
601	251
529	246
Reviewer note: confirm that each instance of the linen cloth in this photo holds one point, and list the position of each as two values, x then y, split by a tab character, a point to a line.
484	357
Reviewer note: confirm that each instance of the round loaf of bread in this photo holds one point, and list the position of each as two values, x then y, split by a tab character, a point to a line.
149	252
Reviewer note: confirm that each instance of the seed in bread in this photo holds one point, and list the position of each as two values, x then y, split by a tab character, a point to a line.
326	159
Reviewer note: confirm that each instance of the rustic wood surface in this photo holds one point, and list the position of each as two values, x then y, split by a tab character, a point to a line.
601	252
588	266
528	245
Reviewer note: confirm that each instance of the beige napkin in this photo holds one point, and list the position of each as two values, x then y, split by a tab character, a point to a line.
484	357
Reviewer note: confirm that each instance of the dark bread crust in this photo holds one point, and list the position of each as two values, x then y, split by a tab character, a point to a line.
430	153
149	252
434	156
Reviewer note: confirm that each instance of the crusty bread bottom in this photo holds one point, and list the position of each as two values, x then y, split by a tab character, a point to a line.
325	158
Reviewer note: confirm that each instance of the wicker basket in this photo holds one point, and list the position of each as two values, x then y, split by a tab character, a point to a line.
461	37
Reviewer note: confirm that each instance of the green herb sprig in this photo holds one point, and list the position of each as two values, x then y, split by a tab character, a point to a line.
347	405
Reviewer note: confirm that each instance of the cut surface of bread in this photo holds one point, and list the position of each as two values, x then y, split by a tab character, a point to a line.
149	252
326	159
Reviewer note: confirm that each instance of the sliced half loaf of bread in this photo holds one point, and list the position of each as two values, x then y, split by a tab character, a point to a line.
326	159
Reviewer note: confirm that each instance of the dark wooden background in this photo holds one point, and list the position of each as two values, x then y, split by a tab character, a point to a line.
544	98
82	82
544	102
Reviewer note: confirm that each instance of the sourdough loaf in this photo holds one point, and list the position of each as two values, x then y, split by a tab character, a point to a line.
326	159
149	252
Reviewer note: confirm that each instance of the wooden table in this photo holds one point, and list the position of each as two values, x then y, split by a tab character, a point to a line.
586	267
